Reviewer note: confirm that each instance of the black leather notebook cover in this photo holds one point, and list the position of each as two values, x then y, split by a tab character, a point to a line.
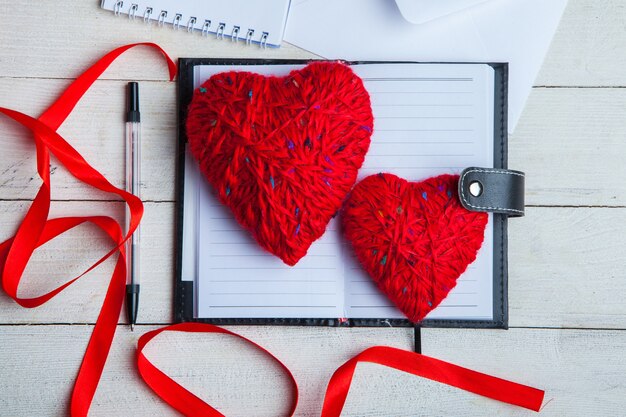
184	290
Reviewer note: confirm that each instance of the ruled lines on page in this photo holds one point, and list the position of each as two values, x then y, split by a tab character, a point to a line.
429	119
238	279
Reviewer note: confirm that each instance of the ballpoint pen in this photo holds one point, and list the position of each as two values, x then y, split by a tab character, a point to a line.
133	165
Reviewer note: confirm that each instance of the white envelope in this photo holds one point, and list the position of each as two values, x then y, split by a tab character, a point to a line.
514	31
420	11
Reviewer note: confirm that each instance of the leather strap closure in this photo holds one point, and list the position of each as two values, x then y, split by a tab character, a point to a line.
492	190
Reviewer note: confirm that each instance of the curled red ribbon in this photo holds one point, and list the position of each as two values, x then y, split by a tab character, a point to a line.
36	229
482	384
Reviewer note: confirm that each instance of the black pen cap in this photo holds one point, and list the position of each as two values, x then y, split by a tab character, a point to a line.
132	114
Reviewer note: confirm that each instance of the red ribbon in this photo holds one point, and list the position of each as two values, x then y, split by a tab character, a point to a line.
36	229
482	384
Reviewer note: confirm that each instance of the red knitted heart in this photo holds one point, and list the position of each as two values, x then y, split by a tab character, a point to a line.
282	153
413	238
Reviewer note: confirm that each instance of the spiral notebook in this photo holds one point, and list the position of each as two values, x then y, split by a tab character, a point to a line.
250	21
428	119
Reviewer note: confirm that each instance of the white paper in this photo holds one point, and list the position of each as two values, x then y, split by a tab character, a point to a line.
238	279
421	11
429	120
514	31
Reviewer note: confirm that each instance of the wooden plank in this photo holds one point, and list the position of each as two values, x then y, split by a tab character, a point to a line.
77	36
571	144
566	263
96	130
240	381
590	43
553	253
566	268
563	137
72	253
589	47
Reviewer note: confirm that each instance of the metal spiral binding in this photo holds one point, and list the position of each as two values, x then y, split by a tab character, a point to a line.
176	22
205	28
264	40
220	31
146	15
249	36
133	11
161	19
191	24
234	36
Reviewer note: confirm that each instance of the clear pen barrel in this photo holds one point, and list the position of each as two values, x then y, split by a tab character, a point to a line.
133	175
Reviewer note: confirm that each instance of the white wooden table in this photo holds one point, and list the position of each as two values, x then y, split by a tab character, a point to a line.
567	256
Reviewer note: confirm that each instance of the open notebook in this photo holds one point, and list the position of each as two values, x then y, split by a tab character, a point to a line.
429	119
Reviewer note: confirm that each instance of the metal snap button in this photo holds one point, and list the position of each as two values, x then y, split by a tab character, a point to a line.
475	188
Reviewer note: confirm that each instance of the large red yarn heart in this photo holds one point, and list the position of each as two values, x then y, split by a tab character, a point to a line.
282	153
413	238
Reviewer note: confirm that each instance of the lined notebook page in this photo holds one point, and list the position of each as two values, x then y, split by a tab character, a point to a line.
429	119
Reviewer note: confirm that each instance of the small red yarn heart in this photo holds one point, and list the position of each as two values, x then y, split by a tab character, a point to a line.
282	152
413	238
